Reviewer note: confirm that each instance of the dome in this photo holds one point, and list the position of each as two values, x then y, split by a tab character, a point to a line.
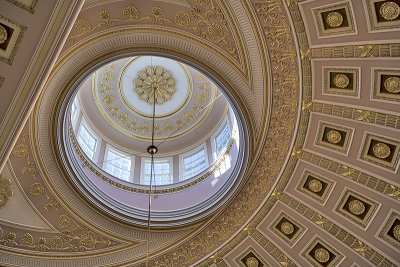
110	127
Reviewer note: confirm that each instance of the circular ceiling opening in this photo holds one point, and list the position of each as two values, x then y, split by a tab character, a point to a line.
200	142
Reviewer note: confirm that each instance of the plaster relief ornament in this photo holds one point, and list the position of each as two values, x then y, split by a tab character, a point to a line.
3	34
315	185
252	262
321	255
381	150
334	19
356	207
333	136
390	10
5	191
396	232
392	84
156	79
287	228
341	80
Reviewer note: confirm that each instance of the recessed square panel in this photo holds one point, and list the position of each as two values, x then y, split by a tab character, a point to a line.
381	151
28	5
320	254
383	14
357	208
334	20
334	137
315	186
341	81
391	231
287	228
10	36
387	84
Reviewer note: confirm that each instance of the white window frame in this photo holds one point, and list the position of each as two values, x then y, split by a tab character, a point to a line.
217	133
94	135
74	113
114	150
189	153
143	170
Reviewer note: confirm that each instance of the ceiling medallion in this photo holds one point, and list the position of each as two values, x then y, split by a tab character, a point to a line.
3	34
392	84
334	19
334	136
321	255
381	150
356	207
341	80
390	10
252	262
315	185
156	79
396	232
287	228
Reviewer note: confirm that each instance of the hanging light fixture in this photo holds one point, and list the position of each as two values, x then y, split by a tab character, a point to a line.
152	150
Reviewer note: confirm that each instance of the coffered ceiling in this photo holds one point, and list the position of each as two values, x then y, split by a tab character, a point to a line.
317	83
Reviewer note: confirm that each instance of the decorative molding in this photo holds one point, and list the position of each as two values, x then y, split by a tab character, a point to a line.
383	15
353	51
381	151
341	81
335	230
320	254
9	47
386	84
334	20
357	114
315	186
334	137
391	230
28	5
357	176
357	208
287	229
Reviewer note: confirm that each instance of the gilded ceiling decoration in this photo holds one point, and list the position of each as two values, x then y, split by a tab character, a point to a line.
5	191
324	189
155	83
3	34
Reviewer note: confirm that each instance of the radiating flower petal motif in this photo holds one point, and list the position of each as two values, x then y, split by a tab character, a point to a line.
109	99
26	240
155	80
156	11
130	13
182	18
3	34
216	32
56	242
11	236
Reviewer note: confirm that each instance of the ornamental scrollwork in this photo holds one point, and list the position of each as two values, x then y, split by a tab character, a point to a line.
5	191
204	19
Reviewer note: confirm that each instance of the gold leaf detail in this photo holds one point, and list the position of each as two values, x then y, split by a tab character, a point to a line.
321	255
252	262
3	34
341	80
201	2
182	18
56	242
26	240
156	11
216	32
201	98
389	10
130	12
107	76
381	150
287	228
155	82
123	117
82	26
36	189
356	207
168	127
5	191
392	84
20	151
109	99
315	185
334	19
104	14
188	116
64	221
333	136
